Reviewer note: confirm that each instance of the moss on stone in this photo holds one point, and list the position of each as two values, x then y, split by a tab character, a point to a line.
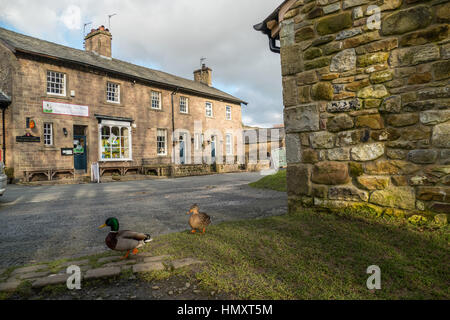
355	169
318	63
312	53
322	91
333	24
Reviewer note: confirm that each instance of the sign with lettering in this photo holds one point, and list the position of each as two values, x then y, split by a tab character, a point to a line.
65	109
67	152
28	138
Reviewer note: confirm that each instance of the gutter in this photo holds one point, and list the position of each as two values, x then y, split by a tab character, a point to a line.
275	18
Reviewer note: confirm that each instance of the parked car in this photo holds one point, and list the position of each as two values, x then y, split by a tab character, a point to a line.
3	179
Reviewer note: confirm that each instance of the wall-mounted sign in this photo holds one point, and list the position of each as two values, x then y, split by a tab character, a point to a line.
28	138
66	151
65	109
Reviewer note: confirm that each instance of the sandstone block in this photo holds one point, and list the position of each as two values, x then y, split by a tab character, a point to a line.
441	135
302	118
335	23
340	122
330	173
367	152
298	179
343	61
407	20
426	156
397	197
322	140
348	194
373	182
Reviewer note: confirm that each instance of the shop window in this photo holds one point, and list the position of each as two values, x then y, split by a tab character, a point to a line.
156	100
48	134
161	142
116	141
56	83
184	108
113	92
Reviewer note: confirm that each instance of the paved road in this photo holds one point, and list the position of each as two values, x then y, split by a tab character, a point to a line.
51	222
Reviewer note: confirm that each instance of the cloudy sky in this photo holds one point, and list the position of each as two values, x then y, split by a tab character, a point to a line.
172	36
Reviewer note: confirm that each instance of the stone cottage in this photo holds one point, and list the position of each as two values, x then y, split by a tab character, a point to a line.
367	103
71	108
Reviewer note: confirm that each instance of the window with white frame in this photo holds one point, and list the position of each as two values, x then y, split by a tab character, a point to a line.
228	112
113	92
48	134
115	139
209	109
161	142
184	105
229	144
56	83
156	100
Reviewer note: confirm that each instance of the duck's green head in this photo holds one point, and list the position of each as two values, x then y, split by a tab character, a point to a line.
111	222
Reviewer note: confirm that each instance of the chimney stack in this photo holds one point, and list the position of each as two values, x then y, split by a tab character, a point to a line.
204	75
99	42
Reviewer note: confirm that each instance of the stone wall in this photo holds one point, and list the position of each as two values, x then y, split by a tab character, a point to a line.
367	104
29	90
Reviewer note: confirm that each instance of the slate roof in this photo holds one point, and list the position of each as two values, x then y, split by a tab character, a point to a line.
23	43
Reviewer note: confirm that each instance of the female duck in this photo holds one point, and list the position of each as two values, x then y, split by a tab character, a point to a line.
124	240
198	220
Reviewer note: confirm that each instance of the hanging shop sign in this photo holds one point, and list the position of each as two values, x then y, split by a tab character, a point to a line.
28	138
65	109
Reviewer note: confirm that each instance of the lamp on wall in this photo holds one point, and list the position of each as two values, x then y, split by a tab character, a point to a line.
65	132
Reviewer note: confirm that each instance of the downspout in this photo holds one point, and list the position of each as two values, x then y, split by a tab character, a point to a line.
4	136
173	122
273	45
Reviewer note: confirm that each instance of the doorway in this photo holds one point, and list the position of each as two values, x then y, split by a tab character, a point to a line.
182	149
213	149
79	148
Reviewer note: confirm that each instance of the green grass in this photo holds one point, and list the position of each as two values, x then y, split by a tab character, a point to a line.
274	182
313	255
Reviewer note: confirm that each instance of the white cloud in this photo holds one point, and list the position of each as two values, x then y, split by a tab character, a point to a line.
71	17
172	36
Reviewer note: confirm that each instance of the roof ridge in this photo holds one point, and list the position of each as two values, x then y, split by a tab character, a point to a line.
202	88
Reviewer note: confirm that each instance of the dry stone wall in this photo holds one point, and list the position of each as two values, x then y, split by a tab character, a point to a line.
367	104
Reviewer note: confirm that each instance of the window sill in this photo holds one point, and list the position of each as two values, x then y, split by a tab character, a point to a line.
116	160
119	104
57	96
156	110
49	148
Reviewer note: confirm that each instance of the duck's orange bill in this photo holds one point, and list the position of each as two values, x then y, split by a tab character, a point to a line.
102	226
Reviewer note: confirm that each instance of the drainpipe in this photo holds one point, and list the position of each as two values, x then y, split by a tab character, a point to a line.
173	121
4	136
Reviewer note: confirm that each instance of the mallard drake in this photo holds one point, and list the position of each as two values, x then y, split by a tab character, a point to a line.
124	240
198	220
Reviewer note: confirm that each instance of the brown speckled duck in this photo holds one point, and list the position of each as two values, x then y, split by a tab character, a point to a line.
124	240
198	220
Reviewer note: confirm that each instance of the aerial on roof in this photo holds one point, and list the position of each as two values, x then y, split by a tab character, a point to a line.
27	44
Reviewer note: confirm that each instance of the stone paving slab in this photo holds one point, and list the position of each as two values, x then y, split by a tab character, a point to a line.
157	258
51	280
149	266
74	263
29	269
114	266
102	272
33	275
9	286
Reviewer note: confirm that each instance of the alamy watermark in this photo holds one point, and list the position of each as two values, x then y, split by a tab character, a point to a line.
74	280
374	281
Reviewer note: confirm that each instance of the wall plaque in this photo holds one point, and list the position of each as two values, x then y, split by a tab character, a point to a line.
28	138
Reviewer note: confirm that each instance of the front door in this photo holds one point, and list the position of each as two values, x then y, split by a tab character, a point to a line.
79	152
182	150
213	149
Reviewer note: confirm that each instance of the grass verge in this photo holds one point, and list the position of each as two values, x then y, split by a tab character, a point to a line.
276	182
314	255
